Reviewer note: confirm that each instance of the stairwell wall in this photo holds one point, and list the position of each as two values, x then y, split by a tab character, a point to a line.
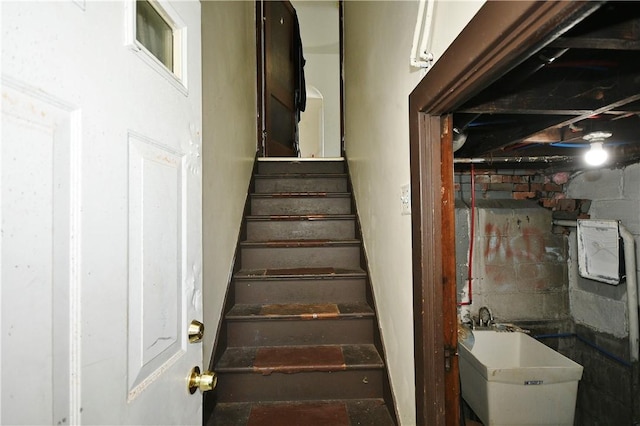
228	143
378	80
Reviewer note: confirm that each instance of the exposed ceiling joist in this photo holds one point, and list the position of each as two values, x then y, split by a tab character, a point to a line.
562	97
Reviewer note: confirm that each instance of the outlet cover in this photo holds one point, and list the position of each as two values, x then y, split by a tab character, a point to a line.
405	199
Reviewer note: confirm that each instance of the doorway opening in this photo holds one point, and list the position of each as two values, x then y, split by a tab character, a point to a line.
311	126
314	130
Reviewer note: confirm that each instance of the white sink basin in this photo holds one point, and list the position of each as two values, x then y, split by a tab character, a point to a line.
509	378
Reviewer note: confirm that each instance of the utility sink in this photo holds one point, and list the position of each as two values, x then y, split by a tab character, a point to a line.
509	378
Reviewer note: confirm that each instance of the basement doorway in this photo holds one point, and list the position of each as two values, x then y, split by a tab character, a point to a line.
500	36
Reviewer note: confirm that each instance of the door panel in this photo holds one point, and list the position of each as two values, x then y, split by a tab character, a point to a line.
280	111
38	272
101	217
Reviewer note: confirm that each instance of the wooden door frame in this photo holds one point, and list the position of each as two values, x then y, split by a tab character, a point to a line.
500	36
260	133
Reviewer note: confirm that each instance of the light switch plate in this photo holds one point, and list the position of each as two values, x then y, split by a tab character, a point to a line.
405	199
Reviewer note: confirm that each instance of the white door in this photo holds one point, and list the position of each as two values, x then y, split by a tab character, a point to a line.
100	186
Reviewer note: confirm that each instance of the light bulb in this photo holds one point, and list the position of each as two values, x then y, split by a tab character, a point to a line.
596	156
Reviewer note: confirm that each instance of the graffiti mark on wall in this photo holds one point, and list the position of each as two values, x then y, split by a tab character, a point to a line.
502	248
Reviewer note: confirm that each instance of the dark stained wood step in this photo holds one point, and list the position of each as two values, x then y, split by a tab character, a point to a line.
301	183
299	373
300	324
300	254
301	227
300	203
300	285
266	360
369	412
303	311
267	166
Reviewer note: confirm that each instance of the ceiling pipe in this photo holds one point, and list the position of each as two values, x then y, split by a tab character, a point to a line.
536	159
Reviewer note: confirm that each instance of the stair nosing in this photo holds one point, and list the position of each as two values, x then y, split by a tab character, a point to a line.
299	243
310	194
243	274
300	175
300	217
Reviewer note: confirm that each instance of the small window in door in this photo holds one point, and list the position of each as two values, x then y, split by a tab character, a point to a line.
154	33
158	35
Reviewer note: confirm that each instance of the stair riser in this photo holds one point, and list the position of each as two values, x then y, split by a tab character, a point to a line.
300	332
266	185
346	257
300	205
272	230
281	167
241	387
300	291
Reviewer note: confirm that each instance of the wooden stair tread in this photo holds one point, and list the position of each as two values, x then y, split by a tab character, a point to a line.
298	359
371	412
324	273
300	311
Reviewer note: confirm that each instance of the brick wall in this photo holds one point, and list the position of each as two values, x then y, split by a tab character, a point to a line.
547	189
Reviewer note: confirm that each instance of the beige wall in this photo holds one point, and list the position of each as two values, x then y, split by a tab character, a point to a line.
378	81
228	143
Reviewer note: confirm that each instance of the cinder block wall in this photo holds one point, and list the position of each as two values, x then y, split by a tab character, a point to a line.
609	392
519	265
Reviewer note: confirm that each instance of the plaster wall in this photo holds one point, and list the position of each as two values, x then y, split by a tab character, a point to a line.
615	194
228	152
378	80
319	31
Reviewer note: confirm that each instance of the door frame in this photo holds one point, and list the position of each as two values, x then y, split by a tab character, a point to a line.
499	37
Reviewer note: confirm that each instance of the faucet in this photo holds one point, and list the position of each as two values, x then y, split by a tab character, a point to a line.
485	317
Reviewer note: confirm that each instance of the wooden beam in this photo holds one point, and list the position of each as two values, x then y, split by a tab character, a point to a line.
570	98
479	144
596	43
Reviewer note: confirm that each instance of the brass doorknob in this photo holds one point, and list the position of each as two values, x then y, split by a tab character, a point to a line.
196	331
205	382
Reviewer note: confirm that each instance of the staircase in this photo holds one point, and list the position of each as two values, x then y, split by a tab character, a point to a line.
299	341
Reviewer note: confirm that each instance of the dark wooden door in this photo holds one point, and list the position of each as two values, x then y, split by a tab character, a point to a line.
280	118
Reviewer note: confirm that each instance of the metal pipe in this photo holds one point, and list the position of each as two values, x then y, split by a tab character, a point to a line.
632	290
426	33
416	56
540	159
472	236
